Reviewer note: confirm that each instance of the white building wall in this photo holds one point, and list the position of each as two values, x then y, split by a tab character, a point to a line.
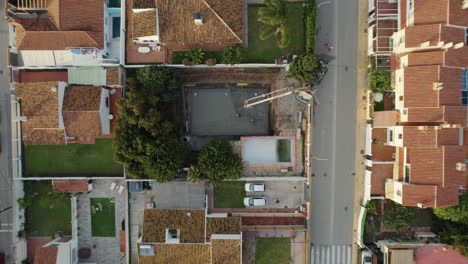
104	112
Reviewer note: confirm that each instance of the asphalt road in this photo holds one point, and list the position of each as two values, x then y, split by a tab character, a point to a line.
333	135
5	140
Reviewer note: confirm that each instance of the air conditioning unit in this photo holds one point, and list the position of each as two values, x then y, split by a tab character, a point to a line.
425	44
426	237
461	166
461	190
437	86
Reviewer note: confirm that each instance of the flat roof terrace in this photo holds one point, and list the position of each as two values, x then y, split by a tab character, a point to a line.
217	110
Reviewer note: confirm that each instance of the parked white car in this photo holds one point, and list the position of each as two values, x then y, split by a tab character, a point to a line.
254	201
366	257
254	187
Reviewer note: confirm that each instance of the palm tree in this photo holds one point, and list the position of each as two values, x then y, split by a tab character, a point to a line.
273	17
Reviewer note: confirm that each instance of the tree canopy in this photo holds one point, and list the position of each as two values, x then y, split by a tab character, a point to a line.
145	141
397	217
306	68
163	82
216	162
273	17
457	214
379	80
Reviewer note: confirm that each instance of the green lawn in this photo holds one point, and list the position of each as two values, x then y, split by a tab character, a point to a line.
379	106
103	221
44	222
273	250
71	160
229	194
266	51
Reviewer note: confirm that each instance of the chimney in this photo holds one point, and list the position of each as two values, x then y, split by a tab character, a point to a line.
198	19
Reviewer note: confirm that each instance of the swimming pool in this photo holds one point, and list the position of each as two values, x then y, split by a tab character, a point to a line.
264	150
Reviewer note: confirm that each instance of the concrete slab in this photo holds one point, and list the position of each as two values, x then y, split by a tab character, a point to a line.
282	194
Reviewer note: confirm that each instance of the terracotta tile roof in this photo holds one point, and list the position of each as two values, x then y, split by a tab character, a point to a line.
46	255
430	11
39	103
178	253
37	24
144	23
72	23
223	225
437	166
454	178
386	118
156	221
429	136
427	166
82	98
413	136
380	173
226	251
426	58
113	76
142	4
451	92
71	186
416	35
222	21
456	114
457	15
82	124
418	86
438	254
426	114
414	194
80	111
54	40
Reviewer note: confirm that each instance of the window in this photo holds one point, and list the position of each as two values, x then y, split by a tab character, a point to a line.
390	136
466	36
410	5
400	136
464	86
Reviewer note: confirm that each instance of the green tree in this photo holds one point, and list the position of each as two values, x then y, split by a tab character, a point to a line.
458	214
273	17
216	162
233	54
195	56
145	142
453	234
306	68
163	82
24	202
379	80
397	217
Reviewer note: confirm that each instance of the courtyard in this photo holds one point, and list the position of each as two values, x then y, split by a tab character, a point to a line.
101	230
91	160
266	51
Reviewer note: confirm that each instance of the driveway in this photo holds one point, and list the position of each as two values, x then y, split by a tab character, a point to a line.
282	194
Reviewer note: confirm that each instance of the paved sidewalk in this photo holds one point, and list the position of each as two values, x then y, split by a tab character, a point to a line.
362	86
